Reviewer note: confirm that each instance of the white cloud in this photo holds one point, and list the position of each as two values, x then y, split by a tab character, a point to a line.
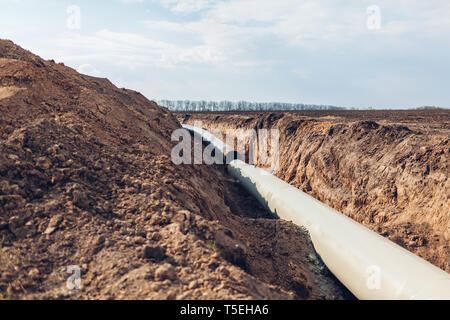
228	43
133	51
309	22
187	6
131	1
235	32
88	69
237	26
161	25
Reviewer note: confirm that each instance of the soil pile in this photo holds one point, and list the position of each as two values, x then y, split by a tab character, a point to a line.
388	170
86	179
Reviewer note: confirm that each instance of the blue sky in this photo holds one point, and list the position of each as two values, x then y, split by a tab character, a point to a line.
306	51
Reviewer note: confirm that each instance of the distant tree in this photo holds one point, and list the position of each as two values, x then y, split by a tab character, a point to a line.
189	105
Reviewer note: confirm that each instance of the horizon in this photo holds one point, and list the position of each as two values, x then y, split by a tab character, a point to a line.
366	54
340	108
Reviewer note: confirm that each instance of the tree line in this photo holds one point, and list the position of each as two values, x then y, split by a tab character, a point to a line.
198	106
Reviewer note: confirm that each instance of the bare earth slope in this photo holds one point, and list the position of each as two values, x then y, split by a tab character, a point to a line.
386	169
86	179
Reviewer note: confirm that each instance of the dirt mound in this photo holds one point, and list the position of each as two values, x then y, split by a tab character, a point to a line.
86	179
386	169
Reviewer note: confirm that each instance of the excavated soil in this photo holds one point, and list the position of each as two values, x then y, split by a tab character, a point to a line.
388	170
86	179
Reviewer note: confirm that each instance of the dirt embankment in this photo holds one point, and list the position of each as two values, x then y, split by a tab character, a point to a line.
86	179
388	170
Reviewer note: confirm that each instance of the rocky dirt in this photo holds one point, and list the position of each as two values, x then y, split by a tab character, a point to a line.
86	179
388	170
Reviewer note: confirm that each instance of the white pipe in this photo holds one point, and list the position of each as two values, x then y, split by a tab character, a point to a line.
369	265
206	136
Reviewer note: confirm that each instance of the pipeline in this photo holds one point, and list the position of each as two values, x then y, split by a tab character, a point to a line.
369	265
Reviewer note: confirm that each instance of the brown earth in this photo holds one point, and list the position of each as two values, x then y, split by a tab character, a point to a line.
388	170
86	179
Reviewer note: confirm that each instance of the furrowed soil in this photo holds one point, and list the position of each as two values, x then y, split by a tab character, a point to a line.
388	170
86	180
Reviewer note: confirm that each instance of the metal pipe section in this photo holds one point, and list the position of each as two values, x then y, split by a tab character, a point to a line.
226	150
209	138
369	265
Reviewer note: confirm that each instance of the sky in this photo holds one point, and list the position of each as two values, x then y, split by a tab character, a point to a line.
352	53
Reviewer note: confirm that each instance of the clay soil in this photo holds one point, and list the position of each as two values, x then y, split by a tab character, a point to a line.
388	170
86	180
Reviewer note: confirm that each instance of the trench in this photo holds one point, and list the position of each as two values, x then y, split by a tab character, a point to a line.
279	252
349	252
388	171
